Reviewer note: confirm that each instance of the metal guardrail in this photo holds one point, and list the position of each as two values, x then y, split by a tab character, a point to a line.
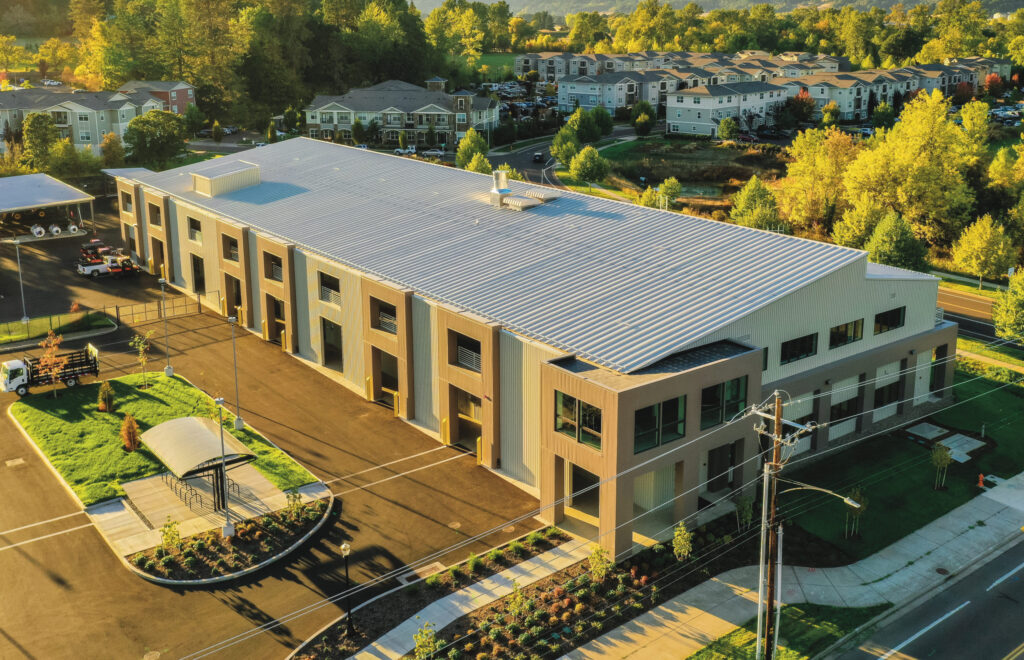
468	359
940	315
330	296
387	323
276	272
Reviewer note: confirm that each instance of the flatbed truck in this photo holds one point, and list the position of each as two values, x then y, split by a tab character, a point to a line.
19	375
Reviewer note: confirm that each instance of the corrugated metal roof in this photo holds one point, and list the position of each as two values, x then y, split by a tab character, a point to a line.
35	191
190	444
619	284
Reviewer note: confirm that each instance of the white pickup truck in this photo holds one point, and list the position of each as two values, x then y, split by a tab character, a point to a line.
111	264
408	151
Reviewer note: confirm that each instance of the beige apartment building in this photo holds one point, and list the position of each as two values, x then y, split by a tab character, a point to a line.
568	341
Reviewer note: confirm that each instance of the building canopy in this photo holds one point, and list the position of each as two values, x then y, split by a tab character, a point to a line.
37	191
191	445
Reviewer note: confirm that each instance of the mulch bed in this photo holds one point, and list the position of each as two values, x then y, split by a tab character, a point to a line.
380	616
209	555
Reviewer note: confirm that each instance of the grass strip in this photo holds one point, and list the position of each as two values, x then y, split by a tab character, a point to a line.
61	324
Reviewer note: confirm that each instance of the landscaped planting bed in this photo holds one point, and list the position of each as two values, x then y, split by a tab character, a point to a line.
85	447
210	555
385	613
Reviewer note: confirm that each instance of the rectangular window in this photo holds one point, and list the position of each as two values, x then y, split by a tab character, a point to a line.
887	394
847	333
590	425
798	349
659	424
195	230
273	268
386	317
126	202
764	359
891	320
83	118
330	288
230	246
84	136
460	117
720	402
578	420
154	215
467	352
645	428
843	410
566	412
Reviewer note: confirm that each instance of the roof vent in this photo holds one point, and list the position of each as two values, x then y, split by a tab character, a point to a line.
223	178
500	189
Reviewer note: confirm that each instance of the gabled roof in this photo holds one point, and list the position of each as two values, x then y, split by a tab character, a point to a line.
153	85
618	284
403	96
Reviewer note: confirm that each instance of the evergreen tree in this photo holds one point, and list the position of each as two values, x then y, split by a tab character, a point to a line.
470	145
479	164
754	206
893	243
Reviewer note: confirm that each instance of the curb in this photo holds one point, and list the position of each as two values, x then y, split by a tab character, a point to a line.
401	587
74	336
49	465
240	574
899	609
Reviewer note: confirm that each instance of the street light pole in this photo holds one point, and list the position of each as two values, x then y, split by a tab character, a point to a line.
346	550
168	370
239	422
229	529
21	285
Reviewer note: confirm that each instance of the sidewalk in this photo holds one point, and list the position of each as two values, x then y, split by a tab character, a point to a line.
399	640
987	360
897	575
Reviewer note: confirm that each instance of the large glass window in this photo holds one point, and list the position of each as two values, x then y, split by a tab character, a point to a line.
847	333
798	349
721	402
844	410
645	428
887	394
659	424
886	321
578	420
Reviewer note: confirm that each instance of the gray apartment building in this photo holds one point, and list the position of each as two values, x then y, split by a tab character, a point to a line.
566	339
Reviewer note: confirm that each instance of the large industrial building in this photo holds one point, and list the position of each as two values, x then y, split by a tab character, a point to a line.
562	337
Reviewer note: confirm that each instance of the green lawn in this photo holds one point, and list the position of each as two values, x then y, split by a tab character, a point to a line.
61	324
969	288
896	475
84	445
493	60
1005	353
596	189
805	630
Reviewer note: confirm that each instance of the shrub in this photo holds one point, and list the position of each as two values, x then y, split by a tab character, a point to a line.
412	589
533	539
190	562
433	581
558	592
220	563
524	639
105	399
516	548
474	563
468	648
566	616
552	532
600	564
552	620
597	626
496	634
199	545
495	556
150	565
580	608
454	654
655	595
167	561
455	574
139	559
188	553
482	656
485	627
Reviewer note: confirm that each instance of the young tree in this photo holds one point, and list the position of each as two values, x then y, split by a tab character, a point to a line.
603	119
858	223
744	511
426	642
217	132
854	514
671	189
292	118
941	458
194	119
431	136
170	537
271	133
643	124
682	541
403	141
472	144
588	166
142	344
893	243
984	249
51	363
112	150
600	565
479	164
105	397
156	136
358	132
728	129
801	107
754	206
1002	172
130	433
994	85
513	173
582	123
650	198
830	114
1008	310
67	161
39	134
565	146
884	116
641	108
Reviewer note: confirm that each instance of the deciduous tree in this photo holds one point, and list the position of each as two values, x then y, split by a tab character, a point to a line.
479	164
156	136
728	129
754	206
112	150
469	146
883	116
565	146
812	191
603	119
583	124
141	344
1008	310
858	223
588	166
194	119
682	541
51	362
830	114
39	135
984	249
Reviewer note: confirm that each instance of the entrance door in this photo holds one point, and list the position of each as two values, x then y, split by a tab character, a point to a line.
589	501
157	253
233	295
198	275
469	418
719	463
275	318
330	333
388	379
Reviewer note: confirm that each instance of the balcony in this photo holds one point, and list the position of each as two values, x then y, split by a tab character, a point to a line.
197	236
467	359
329	295
232	253
276	272
387	323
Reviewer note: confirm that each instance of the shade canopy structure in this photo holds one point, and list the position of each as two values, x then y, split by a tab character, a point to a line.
190	446
37	191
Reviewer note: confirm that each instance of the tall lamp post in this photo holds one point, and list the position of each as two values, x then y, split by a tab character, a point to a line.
168	370
229	529
21	285
239	422
346	550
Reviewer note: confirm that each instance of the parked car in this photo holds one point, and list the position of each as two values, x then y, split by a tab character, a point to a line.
361	146
112	264
746	137
867	131
433	153
205	132
538	157
229	130
408	151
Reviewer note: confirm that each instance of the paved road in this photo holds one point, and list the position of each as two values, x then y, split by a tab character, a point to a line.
973	313
522	159
979	618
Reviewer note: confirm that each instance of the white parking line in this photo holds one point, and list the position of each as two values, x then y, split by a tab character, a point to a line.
377	467
41	522
402	474
1003	579
925	629
40	538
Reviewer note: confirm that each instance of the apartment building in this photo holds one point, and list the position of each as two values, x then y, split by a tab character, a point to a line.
565	339
398	107
84	117
176	94
698	110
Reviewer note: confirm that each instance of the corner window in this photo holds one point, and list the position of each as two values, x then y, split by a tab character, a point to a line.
798	349
721	402
330	288
154	215
578	420
659	424
847	333
890	320
195	230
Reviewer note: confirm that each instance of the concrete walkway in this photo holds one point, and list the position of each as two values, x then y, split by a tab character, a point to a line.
897	575
399	640
987	360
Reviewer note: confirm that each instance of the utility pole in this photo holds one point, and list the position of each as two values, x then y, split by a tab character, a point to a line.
773	532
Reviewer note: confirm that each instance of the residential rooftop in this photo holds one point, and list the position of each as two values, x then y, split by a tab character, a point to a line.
620	285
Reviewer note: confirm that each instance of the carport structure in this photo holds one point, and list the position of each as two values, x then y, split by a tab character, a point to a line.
34	201
191	447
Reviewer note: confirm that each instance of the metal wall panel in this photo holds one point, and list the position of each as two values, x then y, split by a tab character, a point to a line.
654	488
424	360
520	406
845	389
